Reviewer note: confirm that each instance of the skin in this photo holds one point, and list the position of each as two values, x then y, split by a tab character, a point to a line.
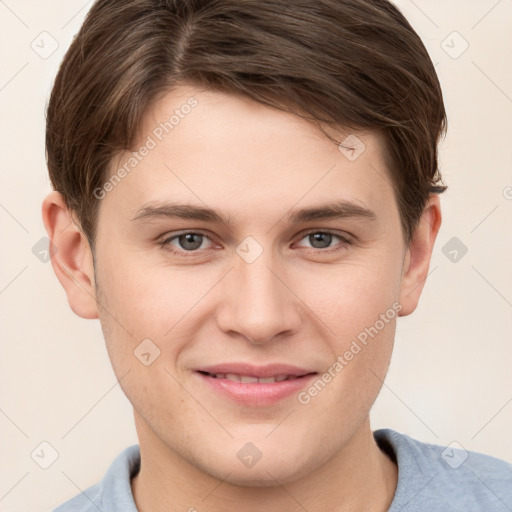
300	302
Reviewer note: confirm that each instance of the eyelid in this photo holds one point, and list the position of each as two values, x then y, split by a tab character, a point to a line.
341	234
175	234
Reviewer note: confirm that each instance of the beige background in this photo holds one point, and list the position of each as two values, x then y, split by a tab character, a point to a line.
450	375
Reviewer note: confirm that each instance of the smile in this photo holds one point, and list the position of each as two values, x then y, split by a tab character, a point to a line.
254	386
251	379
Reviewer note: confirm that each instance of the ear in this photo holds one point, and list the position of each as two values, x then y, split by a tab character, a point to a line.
418	254
71	256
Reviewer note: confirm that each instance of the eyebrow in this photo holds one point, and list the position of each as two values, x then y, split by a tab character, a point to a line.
331	210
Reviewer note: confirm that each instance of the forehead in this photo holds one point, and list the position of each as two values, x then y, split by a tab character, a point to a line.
231	153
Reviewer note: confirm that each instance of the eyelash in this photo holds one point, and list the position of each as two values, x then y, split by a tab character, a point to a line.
165	244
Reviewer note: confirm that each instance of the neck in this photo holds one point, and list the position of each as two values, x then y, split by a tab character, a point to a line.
359	477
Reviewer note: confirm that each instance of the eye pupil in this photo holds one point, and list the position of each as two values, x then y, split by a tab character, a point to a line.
324	239
187	241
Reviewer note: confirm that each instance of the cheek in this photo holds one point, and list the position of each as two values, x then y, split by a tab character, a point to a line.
152	300
139	309
351	297
150	309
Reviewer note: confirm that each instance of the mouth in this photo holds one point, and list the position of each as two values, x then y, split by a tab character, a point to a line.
255	386
252	379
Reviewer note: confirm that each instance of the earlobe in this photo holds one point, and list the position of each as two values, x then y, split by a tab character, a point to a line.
71	256
418	255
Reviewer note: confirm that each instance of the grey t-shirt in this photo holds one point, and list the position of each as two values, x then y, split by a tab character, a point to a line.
430	478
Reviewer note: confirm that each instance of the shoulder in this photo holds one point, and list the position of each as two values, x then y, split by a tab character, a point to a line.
446	477
87	501
113	492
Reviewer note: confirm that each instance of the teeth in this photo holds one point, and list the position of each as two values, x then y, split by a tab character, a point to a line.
249	379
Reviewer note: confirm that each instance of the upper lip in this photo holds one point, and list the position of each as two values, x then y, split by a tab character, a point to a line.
269	370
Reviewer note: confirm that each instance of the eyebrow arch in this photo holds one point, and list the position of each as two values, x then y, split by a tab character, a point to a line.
331	210
180	211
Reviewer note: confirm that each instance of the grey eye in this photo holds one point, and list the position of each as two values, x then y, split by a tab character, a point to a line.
320	240
190	241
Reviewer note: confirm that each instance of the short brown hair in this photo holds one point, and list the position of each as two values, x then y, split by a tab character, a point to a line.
356	64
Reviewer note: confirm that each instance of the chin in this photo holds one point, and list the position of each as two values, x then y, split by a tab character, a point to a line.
269	475
270	467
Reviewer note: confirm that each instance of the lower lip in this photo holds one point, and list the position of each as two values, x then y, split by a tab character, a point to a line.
256	394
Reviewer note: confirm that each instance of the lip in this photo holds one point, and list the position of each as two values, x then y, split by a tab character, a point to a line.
255	394
267	370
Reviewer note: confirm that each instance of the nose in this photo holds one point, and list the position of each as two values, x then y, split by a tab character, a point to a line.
259	304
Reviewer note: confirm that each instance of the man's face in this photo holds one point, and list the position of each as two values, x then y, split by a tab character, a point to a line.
270	288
